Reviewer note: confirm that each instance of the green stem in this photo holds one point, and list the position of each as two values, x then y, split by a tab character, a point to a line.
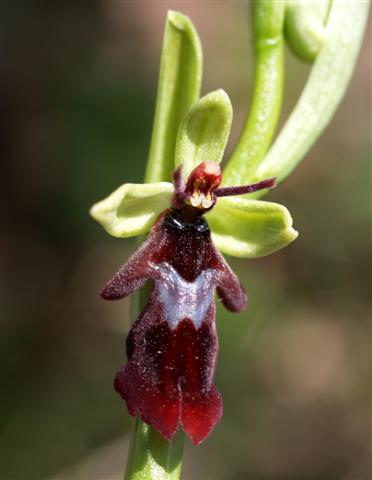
259	128
151	457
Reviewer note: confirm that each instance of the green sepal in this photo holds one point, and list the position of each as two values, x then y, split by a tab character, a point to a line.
250	228
132	208
204	131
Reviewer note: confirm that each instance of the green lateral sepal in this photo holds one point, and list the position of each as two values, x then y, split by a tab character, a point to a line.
250	228
132	208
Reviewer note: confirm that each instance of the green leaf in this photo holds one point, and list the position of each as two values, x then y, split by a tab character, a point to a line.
250	228
323	92
260	125
305	27
204	131
132	208
178	88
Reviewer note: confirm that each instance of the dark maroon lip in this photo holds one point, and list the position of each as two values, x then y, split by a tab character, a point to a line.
172	346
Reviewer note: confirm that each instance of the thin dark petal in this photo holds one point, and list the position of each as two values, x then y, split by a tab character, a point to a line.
134	273
243	189
179	184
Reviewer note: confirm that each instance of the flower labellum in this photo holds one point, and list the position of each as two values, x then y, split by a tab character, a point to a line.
172	346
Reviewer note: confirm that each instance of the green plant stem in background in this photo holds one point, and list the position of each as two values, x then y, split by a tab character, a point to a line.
259	128
323	92
178	87
151	457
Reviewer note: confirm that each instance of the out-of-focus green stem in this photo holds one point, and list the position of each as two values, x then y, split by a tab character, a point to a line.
323	92
151	457
304	26
259	128
178	87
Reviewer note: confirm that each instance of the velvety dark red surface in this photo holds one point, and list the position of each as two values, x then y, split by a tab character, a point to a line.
168	379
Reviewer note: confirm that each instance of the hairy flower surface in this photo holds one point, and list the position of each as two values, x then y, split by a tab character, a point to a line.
172	346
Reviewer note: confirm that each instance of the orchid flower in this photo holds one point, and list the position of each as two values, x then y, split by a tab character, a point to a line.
172	346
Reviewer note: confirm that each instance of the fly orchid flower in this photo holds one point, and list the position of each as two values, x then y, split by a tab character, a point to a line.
172	346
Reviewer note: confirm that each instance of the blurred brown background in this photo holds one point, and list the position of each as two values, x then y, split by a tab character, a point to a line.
77	90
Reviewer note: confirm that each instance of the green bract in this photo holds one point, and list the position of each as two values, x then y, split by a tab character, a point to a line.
178	88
